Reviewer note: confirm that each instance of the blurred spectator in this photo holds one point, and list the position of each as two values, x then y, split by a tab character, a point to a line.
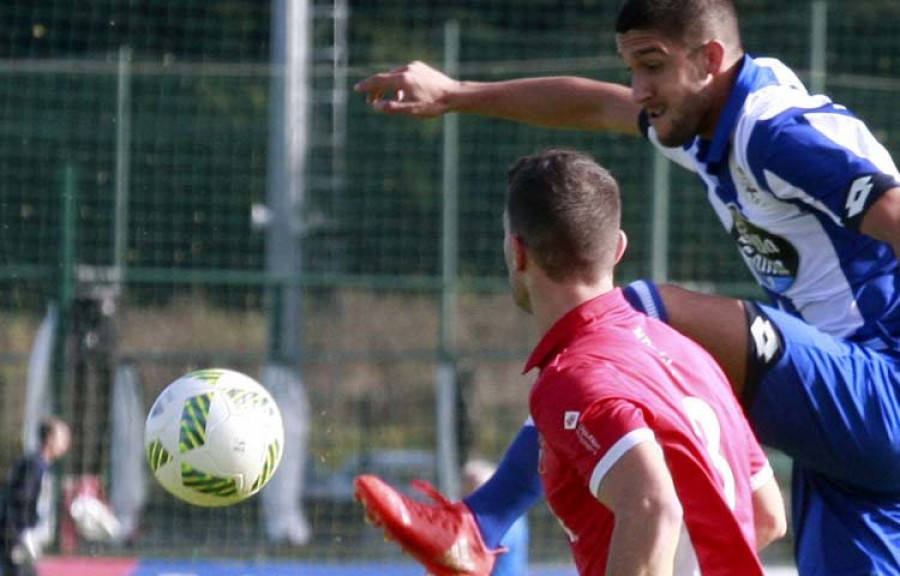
27	513
515	561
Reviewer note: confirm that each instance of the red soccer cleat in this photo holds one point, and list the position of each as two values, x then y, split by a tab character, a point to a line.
444	536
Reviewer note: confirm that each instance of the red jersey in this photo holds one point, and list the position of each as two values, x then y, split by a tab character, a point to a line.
611	378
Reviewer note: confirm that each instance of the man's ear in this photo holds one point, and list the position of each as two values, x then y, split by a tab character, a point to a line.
715	56
621	245
520	253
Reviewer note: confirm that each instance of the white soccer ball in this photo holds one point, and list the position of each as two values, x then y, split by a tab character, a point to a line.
214	437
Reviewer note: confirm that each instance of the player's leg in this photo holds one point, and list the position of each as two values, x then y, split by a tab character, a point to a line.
443	536
511	491
461	537
832	406
841	531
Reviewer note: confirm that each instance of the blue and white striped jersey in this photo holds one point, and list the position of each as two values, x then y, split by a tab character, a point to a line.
790	176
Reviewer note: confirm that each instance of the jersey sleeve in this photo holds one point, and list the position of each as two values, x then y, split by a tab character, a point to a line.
590	432
825	158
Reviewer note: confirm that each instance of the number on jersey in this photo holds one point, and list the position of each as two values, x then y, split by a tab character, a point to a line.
707	428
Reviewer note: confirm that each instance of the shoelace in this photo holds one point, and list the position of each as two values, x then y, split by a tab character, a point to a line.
427	489
431	512
449	521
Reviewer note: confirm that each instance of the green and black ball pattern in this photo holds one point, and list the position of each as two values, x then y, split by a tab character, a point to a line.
244	400
192	435
268	467
194	415
210	375
157	456
207	483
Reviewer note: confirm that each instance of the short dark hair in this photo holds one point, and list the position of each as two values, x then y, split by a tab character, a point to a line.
46	429
681	20
565	207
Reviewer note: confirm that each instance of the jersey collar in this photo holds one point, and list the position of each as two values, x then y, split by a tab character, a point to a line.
749	78
566	328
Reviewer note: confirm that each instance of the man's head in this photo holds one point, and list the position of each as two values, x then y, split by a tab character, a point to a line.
55	438
562	217
678	52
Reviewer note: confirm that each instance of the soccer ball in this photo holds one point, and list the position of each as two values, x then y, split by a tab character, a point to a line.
214	437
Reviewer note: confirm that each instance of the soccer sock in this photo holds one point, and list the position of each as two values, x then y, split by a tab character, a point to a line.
511	491
643	295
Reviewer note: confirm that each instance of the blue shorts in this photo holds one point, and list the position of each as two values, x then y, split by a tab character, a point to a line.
834	407
831	405
842	531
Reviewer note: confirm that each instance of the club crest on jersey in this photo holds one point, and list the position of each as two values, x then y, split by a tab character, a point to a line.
772	258
570	420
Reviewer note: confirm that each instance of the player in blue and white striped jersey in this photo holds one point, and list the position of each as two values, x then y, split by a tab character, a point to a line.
792	176
813	202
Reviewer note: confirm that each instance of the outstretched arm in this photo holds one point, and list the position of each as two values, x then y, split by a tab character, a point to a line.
420	91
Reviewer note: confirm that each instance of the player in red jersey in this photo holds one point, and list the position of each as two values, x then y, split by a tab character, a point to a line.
646	458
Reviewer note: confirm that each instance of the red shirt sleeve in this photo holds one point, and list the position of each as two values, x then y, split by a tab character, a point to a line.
587	425
760	469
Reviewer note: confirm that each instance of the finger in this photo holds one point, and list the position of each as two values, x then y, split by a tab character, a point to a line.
407	108
374	96
383	81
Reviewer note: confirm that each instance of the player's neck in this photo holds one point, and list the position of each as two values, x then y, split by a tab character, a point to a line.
550	300
724	84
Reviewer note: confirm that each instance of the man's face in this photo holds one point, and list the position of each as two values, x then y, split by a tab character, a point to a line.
60	442
670	82
516	286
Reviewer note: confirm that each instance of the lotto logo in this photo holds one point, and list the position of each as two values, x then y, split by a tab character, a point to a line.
859	193
765	338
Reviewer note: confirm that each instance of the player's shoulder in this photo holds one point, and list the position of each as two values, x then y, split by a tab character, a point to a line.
677	346
774	117
777	97
574	368
580	379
